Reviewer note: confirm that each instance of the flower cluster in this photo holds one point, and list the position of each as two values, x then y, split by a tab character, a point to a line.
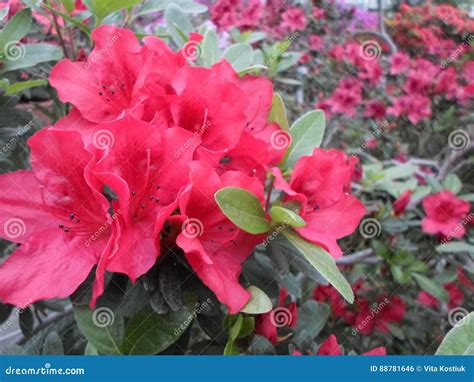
130	174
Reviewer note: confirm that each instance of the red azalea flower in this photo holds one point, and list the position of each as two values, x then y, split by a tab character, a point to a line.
214	247
332	347
285	315
57	213
293	19
415	107
327	293
444	214
399	63
346	97
400	205
386	310
315	42
321	184
147	169
375	110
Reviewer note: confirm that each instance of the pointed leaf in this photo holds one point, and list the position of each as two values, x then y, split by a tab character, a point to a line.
307	134
259	302
324	264
243	209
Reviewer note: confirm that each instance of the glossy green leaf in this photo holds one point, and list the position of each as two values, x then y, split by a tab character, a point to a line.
150	333
102	328
103	8
259	302
243	209
307	133
281	215
324	264
29	55
17	28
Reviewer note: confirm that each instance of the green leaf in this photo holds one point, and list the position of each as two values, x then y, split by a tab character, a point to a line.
240	56
69	5
31	55
210	48
90	349
103	8
53	345
307	134
187	6
324	264
452	183
312	317
231	348
399	171
281	215
4	12
459	339
287	60
233	325
243	209
178	24
27	322
21	86
431	287
150	333
278	112
102	328
259	302
17	28
454	247
248	326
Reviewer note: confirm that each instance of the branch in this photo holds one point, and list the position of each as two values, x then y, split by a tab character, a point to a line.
451	161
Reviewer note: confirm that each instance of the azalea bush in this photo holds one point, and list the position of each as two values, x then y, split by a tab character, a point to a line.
235	177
